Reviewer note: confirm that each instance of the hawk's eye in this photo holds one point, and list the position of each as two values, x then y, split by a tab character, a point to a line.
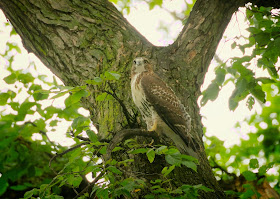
134	61
145	61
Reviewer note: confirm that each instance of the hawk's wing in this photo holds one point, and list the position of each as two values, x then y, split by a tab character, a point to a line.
168	107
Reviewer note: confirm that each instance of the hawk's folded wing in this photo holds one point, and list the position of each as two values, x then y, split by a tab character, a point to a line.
168	107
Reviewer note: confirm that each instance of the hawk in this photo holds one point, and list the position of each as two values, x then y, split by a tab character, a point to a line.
160	107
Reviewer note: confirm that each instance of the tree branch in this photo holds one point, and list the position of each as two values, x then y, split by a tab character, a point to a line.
126	134
64	152
125	111
90	185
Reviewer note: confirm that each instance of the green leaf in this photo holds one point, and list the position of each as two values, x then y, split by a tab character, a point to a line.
30	193
103	96
92	136
153	3
189	158
24	109
190	165
202	187
77	181
25	78
220	76
117	148
233	45
249	175
13	46
14	105
258	93
265	80
95	81
19	187
254	30
250	102
247	194
11	79
239	93
263	169
112	75
174	159
262	38
151	155
38	93
53	123
114	170
141	150
254	163
54	81
13	32
40	96
80	122
150	196
211	93
166	170
74	98
3	186
102	193
260	181
172	151
232	104
161	150
103	150
4	98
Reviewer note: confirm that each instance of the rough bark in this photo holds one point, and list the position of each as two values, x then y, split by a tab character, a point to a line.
79	40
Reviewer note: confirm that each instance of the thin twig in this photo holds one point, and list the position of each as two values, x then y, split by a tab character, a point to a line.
90	185
79	137
125	111
222	169
43	133
83	138
64	152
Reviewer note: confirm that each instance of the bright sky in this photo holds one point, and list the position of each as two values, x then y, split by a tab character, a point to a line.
217	118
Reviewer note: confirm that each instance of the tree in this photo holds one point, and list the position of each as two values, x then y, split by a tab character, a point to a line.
90	43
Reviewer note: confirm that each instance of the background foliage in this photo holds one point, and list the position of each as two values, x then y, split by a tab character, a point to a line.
32	165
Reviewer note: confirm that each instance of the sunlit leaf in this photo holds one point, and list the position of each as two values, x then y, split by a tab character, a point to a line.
166	170
4	98
11	79
249	175
151	155
92	136
112	75
254	163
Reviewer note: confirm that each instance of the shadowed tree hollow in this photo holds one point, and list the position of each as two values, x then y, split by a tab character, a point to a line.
80	40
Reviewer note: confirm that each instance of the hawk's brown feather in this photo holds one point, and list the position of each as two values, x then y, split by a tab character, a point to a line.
167	106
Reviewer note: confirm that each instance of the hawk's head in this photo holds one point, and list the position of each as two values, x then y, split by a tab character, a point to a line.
141	64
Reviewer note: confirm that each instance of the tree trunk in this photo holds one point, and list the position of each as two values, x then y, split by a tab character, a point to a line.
79	40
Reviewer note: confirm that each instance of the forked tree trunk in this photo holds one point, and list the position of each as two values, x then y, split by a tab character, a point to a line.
79	40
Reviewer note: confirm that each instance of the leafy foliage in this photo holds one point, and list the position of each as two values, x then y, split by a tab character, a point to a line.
264	45
258	153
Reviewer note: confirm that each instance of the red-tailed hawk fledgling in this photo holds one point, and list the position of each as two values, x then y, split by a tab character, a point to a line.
160	107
